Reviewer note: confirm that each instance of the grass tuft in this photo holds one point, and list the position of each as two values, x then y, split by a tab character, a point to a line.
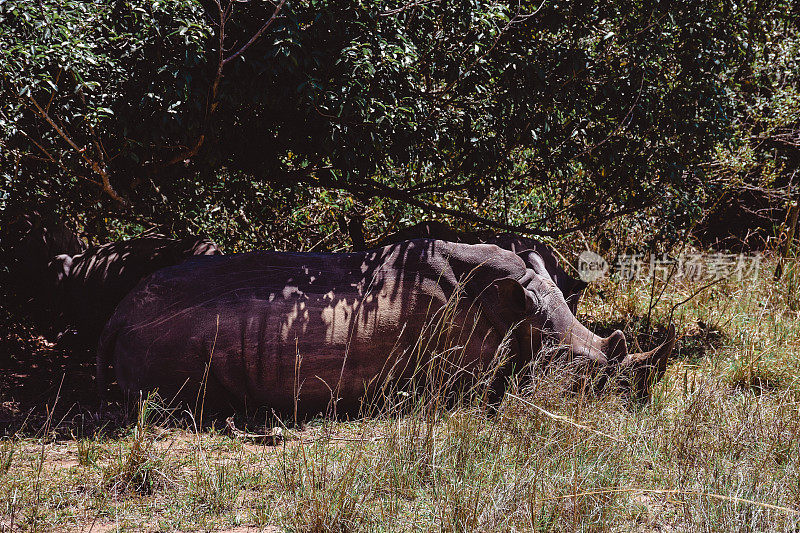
7	449
138	465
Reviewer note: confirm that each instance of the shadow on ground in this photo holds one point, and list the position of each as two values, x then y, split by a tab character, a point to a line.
48	389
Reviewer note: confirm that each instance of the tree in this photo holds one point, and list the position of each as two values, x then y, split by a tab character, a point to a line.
538	117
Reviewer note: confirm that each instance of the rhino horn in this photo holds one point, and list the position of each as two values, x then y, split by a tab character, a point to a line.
615	347
639	371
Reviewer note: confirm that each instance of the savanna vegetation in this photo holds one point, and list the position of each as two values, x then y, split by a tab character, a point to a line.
647	127
716	447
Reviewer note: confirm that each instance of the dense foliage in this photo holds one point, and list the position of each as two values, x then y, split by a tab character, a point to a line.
548	116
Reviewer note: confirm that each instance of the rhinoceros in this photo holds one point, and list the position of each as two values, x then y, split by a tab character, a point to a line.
276	329
28	243
540	257
89	285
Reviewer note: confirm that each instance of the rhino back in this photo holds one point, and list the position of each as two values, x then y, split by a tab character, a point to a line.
101	276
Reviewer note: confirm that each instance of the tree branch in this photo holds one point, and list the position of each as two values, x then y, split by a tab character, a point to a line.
98	168
212	103
255	37
409	5
373	188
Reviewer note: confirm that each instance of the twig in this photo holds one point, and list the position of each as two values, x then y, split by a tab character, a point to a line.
255	37
94	165
409	5
621	125
371	187
695	293
680	492
272	438
212	103
514	20
564	419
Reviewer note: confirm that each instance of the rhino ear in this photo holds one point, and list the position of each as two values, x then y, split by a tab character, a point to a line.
513	297
60	266
533	261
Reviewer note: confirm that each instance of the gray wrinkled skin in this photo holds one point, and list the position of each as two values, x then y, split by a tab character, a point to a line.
89	285
272	325
543	260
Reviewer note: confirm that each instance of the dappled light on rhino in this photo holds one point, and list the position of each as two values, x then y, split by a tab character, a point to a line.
537	255
304	332
91	284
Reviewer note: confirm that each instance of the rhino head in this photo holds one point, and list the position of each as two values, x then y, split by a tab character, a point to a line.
547	325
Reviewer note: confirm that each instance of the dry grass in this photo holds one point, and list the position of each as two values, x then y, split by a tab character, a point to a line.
717	448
